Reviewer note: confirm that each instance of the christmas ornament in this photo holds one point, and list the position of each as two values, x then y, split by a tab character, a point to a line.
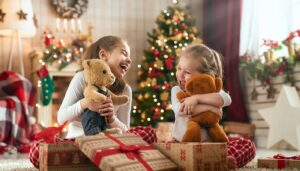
22	15
48	40
147	95
153	81
159	63
156	52
164	96
47	85
169	63
140	97
283	118
2	15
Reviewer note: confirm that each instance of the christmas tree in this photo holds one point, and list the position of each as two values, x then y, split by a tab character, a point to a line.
156	76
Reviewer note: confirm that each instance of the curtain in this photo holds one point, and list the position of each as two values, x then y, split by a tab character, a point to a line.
221	31
267	19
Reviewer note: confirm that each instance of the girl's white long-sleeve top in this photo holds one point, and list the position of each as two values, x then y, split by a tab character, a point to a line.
70	110
181	120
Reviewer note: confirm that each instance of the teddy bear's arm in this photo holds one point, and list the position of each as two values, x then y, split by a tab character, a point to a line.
91	92
118	99
181	95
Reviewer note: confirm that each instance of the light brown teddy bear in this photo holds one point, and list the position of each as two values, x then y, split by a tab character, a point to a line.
202	84
97	76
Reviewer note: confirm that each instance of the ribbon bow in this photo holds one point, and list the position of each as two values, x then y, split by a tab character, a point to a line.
131	151
281	156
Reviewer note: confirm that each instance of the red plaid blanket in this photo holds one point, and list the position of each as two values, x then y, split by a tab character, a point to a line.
16	105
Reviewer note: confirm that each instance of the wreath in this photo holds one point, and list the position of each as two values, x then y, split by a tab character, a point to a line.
69	8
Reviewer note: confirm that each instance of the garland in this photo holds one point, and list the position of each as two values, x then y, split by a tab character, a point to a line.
272	66
61	52
73	10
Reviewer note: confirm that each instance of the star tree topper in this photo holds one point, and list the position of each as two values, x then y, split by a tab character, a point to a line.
284	118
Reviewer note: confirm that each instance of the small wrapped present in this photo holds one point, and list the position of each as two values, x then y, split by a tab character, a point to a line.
279	161
63	156
164	131
241	129
123	152
196	156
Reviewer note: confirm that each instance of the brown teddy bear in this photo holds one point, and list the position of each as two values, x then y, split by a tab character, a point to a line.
98	75
202	84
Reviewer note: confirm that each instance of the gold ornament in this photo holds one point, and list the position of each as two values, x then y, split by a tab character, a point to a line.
169	50
164	96
143	115
140	73
158	63
140	97
194	30
168	22
142	84
154	81
147	95
177	37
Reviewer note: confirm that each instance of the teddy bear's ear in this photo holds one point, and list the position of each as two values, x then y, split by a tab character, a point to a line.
219	84
79	62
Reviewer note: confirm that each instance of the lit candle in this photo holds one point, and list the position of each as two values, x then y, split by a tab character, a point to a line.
65	25
72	25
57	24
79	25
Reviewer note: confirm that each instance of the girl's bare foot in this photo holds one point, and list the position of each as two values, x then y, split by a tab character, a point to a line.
231	162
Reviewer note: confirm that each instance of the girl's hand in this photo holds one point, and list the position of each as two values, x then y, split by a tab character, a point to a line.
188	105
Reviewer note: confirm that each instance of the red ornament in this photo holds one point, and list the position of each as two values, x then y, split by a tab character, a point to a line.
48	39
184	27
176	31
164	105
169	63
167	86
155	87
155	52
60	43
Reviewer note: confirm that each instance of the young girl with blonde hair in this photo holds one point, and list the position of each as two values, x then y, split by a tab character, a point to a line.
199	58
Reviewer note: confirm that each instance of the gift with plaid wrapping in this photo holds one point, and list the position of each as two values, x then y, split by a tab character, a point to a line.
196	156
63	156
123	152
279	161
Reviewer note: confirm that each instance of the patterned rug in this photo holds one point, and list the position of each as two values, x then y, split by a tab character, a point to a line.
20	162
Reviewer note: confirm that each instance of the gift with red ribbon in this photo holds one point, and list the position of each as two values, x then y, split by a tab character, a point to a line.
124	152
280	161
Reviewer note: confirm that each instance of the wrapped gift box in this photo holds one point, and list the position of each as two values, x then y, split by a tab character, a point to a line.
164	131
196	156
242	129
123	152
63	156
278	163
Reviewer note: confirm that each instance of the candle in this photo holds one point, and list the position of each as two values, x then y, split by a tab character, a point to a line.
65	25
79	25
72	25
57	24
